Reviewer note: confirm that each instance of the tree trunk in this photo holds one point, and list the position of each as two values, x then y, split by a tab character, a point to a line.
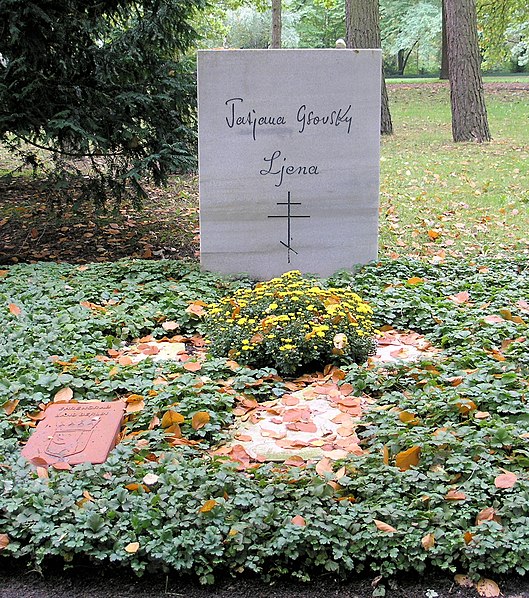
362	22
444	46
469	114
276	23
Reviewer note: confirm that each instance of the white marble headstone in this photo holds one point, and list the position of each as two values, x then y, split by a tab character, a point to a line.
289	144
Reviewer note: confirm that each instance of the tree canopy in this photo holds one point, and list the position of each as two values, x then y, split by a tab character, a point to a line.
103	81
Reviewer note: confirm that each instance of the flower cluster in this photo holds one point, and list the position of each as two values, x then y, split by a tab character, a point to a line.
291	323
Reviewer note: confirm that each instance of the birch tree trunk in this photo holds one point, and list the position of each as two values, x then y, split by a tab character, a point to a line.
469	114
362	22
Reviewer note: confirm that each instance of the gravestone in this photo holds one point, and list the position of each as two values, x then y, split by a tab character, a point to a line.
289	146
75	433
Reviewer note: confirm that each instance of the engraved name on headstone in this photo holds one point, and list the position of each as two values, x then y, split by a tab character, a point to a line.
75	433
289	146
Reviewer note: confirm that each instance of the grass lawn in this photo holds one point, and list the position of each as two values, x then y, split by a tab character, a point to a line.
442	477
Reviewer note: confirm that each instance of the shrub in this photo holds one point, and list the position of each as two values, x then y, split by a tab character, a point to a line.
292	324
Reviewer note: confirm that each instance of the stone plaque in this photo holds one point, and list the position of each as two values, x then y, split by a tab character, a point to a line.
76	432
289	146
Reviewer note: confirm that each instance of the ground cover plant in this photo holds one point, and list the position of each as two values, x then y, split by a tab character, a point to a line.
443	481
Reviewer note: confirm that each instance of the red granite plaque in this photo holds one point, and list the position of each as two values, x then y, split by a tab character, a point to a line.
76	433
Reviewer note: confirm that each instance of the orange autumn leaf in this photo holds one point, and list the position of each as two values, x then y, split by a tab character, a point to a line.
65	394
385	454
42	472
433	234
408	458
384	527
298	520
488	588
192	366
196	308
408	418
208	506
125	360
61	466
200	419
428	541
505	480
10	406
414	280
172	417
466	406
4	541
14	309
468	536
132	548
455	495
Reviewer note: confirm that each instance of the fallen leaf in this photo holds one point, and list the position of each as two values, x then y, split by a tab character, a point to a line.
488	514
406	459
4	541
384	527
505	480
192	366
172	417
61	466
488	588
460	298
200	419
324	466
125	360
208	506
385	454
298	520
63	395
10	406
408	418
414	280
433	234
493	319
196	308
14	309
455	495
295	461
132	548
468	536
428	541
170	325
463	580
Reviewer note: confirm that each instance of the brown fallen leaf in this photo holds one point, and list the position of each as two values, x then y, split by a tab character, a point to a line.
428	541
4	541
192	366
505	480
200	419
487	588
298	520
324	466
63	395
384	527
463	580
132	548
455	495
10	406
